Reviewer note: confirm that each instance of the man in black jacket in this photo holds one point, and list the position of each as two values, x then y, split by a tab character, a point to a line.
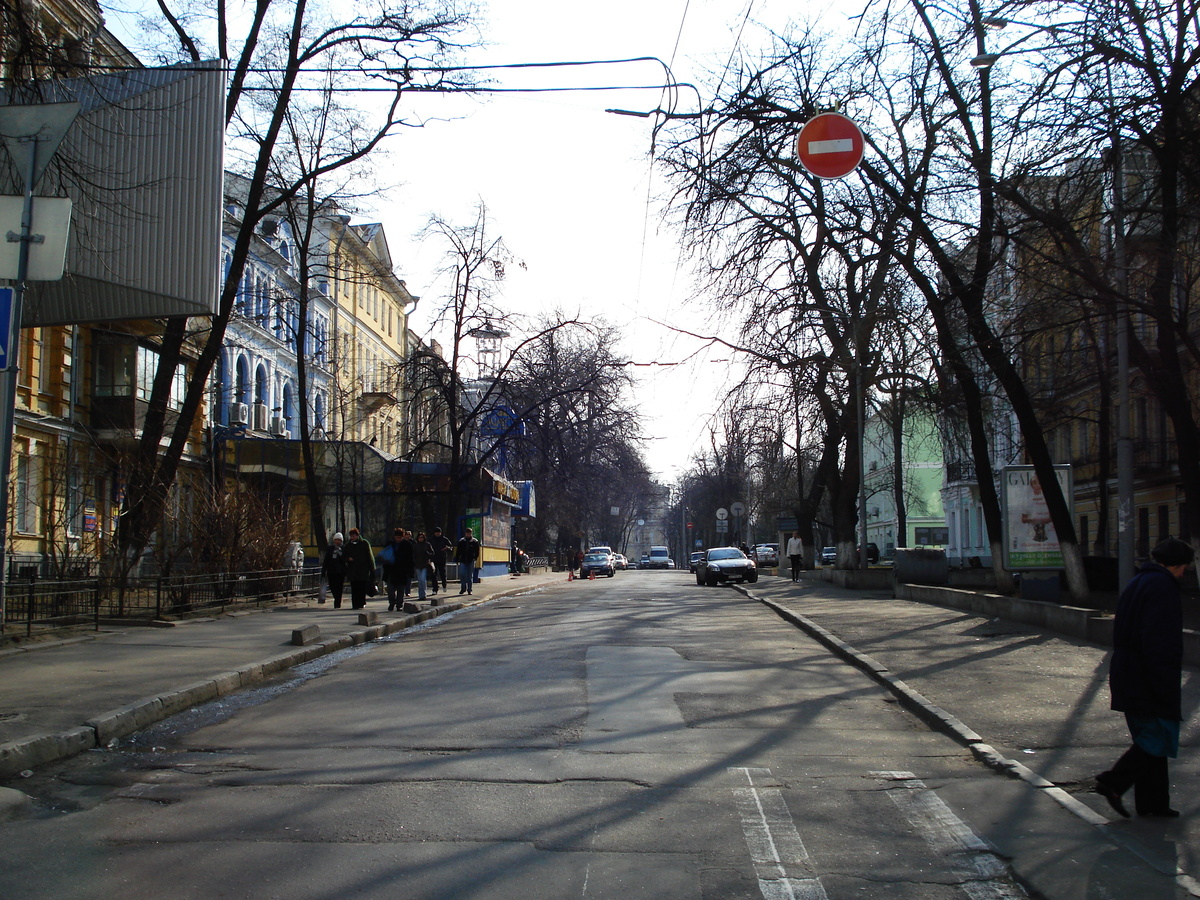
441	545
466	554
1144	680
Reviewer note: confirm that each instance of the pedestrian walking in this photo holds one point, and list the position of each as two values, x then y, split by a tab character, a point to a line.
466	554
441	549
1144	680
360	569
795	554
333	568
396	568
422	552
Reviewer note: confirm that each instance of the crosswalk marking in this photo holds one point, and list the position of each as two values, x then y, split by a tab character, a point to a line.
772	839
985	876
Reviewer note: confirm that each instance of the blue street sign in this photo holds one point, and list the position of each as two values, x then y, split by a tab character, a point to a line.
6	304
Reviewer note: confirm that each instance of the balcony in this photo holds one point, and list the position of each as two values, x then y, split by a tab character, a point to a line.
122	418
375	400
960	471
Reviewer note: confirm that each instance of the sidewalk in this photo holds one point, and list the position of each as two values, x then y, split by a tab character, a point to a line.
63	697
1026	701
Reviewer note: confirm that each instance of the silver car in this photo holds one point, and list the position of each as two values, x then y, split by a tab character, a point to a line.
721	565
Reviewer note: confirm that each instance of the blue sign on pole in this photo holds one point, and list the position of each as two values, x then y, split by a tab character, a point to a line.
6	305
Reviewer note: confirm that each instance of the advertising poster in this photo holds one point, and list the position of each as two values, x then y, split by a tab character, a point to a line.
1029	539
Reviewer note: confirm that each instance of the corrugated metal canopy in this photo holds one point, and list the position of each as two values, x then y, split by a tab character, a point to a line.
144	166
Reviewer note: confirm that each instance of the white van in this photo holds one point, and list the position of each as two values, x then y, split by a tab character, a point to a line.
660	559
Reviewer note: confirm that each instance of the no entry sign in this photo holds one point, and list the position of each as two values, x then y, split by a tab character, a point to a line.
830	145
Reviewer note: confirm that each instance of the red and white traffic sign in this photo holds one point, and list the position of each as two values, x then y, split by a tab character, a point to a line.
830	145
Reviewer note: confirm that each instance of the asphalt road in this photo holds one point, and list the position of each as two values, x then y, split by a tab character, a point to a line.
624	738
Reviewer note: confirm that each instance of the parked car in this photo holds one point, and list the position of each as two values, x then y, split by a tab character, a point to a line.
829	556
597	564
695	558
659	558
766	554
644	562
619	561
720	565
872	553
605	549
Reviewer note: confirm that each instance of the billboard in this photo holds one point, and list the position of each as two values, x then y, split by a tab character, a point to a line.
1030	542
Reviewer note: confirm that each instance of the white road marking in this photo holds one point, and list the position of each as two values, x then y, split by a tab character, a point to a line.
772	839
985	876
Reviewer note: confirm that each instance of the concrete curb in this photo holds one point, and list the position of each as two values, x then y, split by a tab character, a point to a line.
100	730
933	715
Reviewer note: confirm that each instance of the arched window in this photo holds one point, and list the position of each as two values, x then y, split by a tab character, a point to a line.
262	388
220	399
242	386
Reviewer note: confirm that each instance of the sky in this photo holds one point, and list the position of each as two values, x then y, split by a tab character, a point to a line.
573	191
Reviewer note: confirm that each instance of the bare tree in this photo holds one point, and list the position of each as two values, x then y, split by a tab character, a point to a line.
281	45
579	442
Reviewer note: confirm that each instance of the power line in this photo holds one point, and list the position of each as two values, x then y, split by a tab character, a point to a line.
408	71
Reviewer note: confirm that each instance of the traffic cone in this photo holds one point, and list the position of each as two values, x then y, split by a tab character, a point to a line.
570	574
591	575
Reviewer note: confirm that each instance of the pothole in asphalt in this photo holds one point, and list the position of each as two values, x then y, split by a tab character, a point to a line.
997	628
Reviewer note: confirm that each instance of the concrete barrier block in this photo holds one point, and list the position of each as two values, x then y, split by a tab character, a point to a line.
410	607
188	696
280	663
368	618
126	720
17	756
251	674
919	565
227	683
307	634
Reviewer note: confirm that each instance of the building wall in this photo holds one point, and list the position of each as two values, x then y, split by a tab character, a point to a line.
921	477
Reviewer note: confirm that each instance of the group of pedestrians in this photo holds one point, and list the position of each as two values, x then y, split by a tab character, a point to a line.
406	559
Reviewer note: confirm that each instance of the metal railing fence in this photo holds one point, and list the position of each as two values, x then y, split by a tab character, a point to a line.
44	604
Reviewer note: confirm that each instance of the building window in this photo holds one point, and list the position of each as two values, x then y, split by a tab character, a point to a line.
114	369
26	495
124	369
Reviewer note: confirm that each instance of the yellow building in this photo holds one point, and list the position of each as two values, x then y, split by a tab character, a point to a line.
371	309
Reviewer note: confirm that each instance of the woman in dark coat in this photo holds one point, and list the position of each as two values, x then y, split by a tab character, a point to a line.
1144	680
360	569
333	567
422	564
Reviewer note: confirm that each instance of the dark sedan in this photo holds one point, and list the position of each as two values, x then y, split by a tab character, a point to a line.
597	564
721	565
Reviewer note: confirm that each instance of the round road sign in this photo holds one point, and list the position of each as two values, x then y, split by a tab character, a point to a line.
830	145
